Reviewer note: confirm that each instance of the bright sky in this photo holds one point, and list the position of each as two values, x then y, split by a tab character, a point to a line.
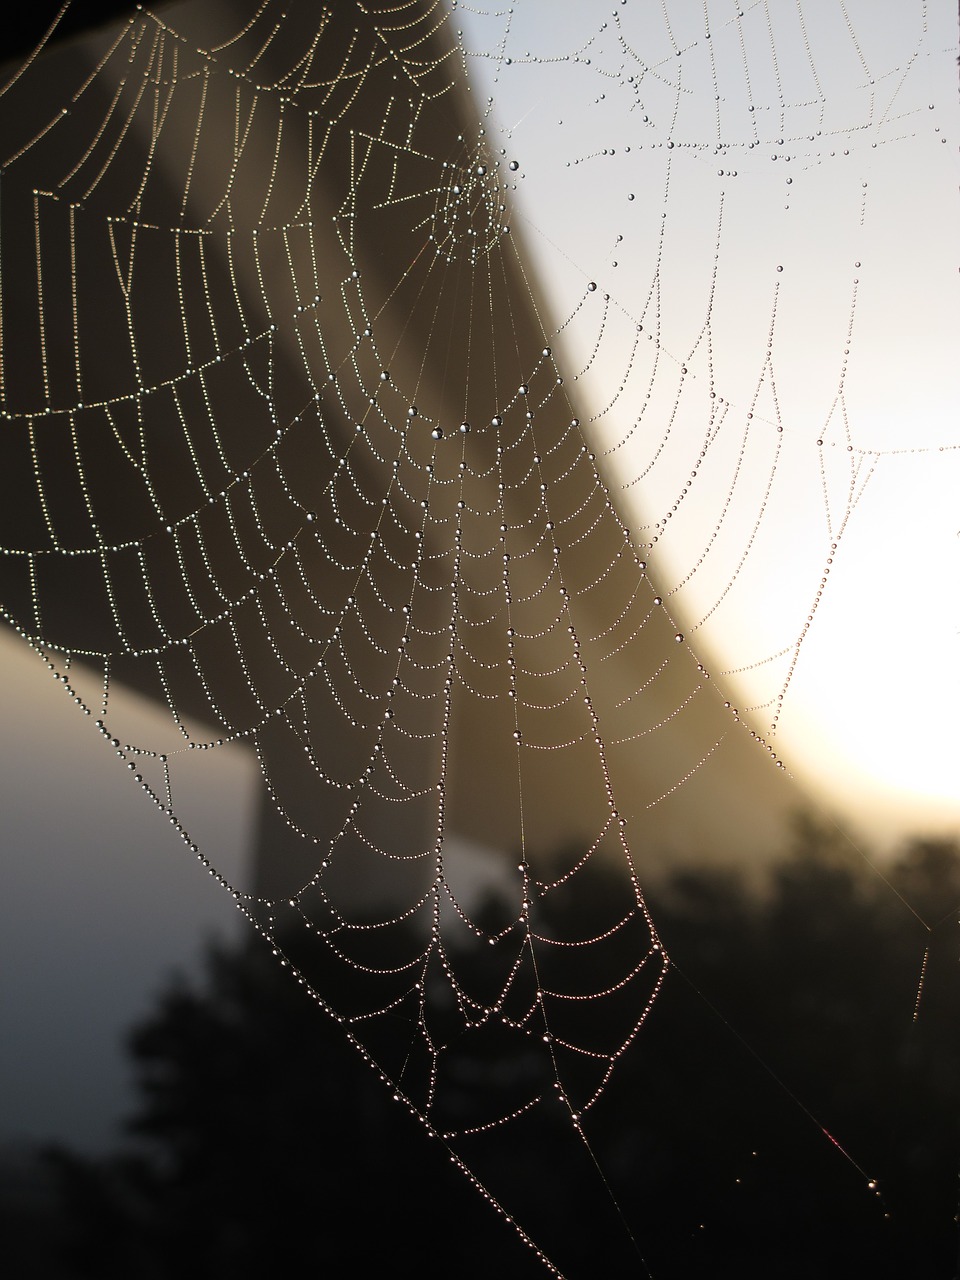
793	182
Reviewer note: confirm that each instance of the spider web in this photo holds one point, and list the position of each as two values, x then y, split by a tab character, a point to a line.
296	444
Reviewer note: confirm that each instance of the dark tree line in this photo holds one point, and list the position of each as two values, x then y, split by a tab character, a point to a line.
261	1144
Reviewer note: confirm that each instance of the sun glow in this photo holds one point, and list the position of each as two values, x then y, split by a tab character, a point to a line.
773	321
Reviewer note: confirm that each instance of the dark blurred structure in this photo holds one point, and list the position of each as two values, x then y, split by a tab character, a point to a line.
143	555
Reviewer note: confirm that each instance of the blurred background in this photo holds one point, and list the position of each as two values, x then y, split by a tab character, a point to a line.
799	943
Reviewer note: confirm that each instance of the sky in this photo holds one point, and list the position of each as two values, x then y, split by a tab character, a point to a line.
100	908
794	181
868	720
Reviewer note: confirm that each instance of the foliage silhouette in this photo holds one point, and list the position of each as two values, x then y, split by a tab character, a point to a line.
260	1142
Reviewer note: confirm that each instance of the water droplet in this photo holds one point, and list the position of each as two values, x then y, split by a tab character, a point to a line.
514	165
592	286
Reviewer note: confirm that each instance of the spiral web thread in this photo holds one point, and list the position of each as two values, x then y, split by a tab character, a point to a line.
290	446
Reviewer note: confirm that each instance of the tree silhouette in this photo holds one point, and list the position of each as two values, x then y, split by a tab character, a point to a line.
261	1143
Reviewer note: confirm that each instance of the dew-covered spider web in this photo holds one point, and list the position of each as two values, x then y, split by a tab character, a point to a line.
463	413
